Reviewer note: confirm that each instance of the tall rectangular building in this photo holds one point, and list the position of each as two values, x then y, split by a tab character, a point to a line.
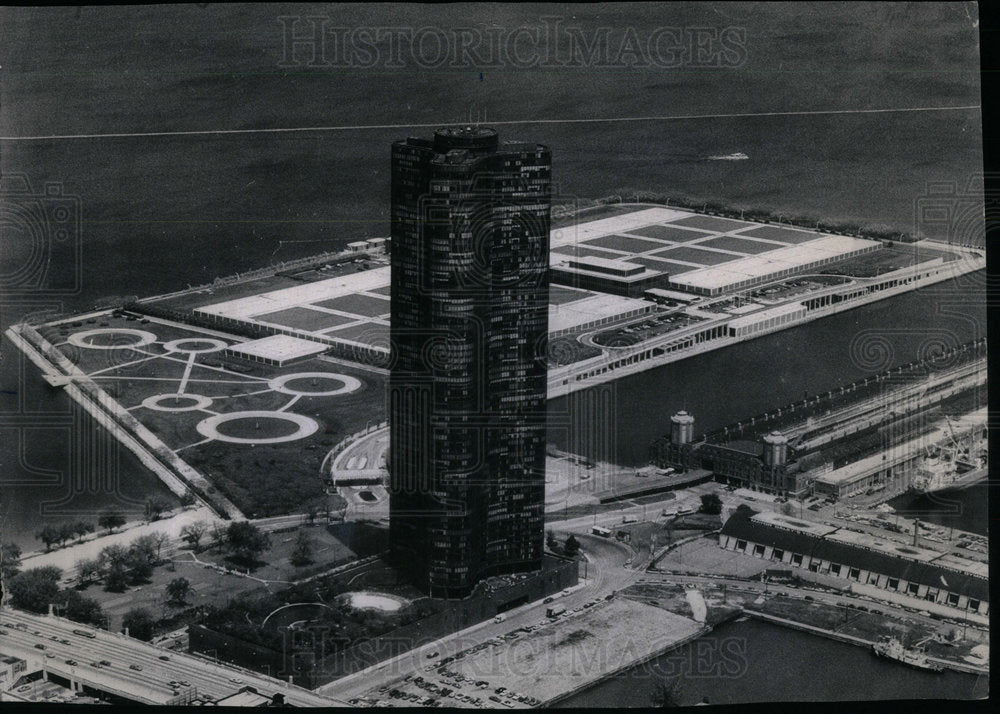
468	380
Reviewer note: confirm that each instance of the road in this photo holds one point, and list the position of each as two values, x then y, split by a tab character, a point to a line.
150	684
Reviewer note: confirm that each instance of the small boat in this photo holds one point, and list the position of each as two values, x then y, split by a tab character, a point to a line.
891	648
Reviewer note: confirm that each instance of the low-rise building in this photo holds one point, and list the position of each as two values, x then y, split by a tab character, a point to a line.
861	558
606	275
11	668
761	465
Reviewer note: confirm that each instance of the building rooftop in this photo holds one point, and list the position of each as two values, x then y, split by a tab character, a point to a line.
764	315
597	307
762	528
245	308
857	469
780	520
783	258
278	348
606	265
884	545
575	234
632	272
672	295
964	565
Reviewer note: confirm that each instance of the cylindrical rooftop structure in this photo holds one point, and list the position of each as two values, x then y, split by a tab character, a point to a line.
682	428
470	138
775	449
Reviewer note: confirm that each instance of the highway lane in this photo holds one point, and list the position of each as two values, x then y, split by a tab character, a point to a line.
211	679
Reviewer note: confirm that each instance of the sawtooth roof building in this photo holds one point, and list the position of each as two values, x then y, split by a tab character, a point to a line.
887	566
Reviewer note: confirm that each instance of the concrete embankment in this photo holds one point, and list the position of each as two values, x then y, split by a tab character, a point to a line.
176	474
860	641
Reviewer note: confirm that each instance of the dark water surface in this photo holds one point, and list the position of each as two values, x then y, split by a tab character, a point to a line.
753	661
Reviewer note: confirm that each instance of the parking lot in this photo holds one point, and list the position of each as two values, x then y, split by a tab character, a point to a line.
533	664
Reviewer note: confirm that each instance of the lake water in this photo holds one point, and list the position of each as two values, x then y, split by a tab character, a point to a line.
616	422
753	661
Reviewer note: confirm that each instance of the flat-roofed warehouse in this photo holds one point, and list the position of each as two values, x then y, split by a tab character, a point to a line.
781	263
594	311
277	350
607	275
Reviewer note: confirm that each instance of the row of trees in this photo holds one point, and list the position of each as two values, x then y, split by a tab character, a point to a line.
110	520
118	566
243	541
51	534
35	589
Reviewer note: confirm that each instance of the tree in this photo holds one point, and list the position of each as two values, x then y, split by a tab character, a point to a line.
82	528
158	539
550	539
66	532
219	532
88	570
572	546
36	588
177	590
188	499
140	623
111	520
302	554
246	541
114	554
113	561
193	533
116	578
10	559
711	504
666	695
81	609
48	535
154	508
141	558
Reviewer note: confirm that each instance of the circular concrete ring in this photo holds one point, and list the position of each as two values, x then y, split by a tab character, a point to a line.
209	427
177	345
153	402
143	338
350	384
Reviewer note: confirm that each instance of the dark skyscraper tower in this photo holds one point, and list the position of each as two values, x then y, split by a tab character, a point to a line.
467	389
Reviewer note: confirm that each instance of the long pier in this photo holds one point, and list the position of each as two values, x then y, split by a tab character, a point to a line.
830	415
707	336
